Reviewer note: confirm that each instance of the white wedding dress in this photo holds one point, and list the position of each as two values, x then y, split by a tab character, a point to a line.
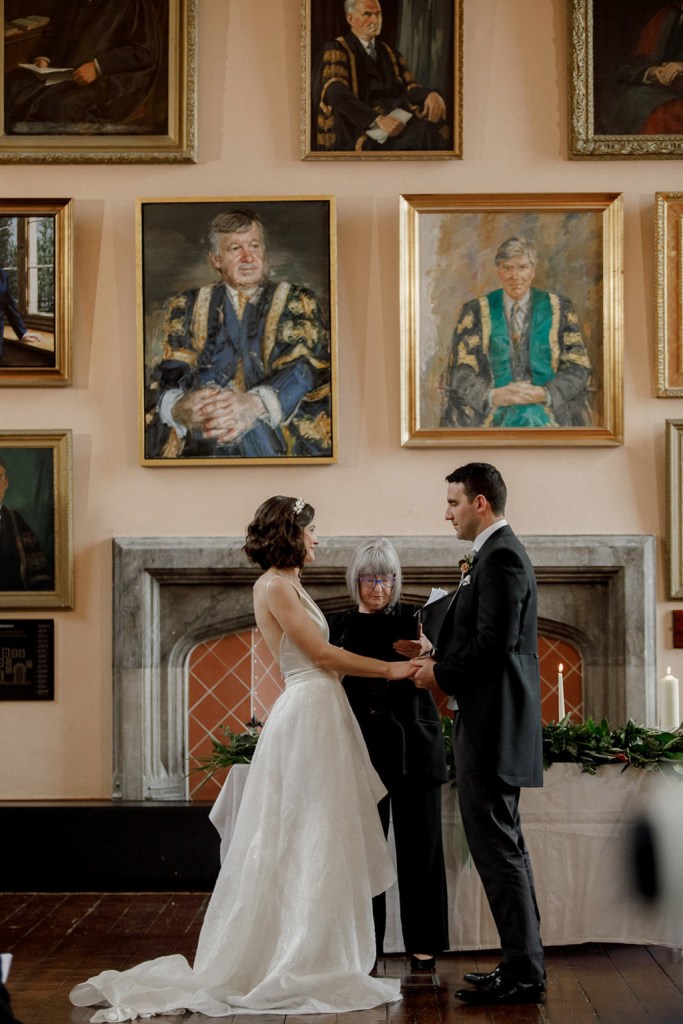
289	926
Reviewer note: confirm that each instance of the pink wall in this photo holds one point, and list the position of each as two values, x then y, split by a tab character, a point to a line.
515	140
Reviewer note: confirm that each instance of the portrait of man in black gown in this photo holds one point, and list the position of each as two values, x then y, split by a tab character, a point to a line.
27	539
383	77
79	67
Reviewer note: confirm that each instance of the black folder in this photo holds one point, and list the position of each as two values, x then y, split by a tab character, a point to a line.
432	615
374	634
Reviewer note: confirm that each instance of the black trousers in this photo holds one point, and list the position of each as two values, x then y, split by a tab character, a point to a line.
490	816
423	899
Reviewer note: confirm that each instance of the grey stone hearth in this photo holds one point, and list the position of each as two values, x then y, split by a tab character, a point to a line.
172	593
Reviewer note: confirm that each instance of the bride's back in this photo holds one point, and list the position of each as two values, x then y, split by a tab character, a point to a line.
266	623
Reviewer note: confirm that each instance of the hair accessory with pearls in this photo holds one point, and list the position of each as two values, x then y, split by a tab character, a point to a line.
298	506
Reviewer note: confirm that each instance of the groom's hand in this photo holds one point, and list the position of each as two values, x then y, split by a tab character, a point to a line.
424	674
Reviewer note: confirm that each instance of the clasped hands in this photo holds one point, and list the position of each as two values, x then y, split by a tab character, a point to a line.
219	413
519	392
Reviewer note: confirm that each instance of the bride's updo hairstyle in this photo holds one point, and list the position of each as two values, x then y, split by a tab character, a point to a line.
275	536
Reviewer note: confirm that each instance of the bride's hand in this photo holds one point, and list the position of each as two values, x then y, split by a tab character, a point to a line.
400	670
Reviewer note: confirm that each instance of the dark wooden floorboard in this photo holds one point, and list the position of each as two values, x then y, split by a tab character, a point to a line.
61	939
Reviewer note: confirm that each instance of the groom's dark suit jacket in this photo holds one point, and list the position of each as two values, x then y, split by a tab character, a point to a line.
487	658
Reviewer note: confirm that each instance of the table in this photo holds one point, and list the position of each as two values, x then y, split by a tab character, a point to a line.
578	830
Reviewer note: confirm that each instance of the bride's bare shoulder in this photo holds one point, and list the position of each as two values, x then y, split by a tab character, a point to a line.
276	585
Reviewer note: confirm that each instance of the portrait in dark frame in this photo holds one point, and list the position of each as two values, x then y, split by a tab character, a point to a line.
626	69
96	80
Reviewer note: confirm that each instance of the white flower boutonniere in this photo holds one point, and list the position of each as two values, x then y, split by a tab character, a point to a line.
465	565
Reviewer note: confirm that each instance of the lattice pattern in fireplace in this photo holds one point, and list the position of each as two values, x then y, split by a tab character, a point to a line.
220	692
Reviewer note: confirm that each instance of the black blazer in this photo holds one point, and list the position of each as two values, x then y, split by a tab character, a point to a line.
400	723
487	658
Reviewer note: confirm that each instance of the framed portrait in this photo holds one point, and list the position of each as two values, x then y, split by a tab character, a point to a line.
36	258
107	81
237	327
674	507
669	295
626	79
381	81
511	330
36	567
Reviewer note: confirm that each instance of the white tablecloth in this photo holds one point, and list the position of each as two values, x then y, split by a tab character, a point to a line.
577	829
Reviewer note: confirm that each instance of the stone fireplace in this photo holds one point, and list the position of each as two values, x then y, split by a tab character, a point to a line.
596	592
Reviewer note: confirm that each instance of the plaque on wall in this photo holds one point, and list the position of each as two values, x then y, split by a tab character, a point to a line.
27	659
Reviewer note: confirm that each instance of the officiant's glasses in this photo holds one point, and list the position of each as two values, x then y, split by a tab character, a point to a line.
385	582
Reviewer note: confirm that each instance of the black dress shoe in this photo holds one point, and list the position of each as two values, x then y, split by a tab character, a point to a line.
428	964
502	990
478	978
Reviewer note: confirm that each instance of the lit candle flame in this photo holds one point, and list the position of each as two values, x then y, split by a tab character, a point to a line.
560	667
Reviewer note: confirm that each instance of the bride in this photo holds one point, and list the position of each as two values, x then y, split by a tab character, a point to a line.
289	926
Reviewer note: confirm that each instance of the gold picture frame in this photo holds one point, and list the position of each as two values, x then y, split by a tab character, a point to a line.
456	351
141	114
622	105
36	291
669	293
415	45
35	481
674	507
276	352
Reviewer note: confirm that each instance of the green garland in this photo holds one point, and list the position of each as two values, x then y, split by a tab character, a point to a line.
589	744
592	744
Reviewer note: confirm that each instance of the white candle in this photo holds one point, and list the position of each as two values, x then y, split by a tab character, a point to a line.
560	693
670	717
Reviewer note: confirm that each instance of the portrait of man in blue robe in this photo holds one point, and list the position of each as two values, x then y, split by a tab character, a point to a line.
245	367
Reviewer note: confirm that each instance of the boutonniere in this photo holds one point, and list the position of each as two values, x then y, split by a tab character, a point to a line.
465	565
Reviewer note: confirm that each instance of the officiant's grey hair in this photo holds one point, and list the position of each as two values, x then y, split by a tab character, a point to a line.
376	557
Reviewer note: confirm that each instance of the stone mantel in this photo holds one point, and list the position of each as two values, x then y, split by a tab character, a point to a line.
599	592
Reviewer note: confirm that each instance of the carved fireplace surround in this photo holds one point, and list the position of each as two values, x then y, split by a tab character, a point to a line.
597	592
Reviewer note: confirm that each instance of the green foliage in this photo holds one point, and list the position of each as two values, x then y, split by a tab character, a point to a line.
589	744
592	744
236	748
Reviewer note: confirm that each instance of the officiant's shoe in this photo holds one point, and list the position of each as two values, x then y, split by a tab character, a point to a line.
502	990
422	964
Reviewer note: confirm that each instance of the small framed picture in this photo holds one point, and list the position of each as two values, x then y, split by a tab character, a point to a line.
237	306
36	557
108	81
511	319
35	292
626	79
381	81
669	295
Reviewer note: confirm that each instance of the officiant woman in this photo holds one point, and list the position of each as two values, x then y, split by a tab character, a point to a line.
402	729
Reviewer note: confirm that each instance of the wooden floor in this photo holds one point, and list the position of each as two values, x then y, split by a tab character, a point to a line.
61	939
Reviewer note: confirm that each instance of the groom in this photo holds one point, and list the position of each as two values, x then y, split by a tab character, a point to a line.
485	657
